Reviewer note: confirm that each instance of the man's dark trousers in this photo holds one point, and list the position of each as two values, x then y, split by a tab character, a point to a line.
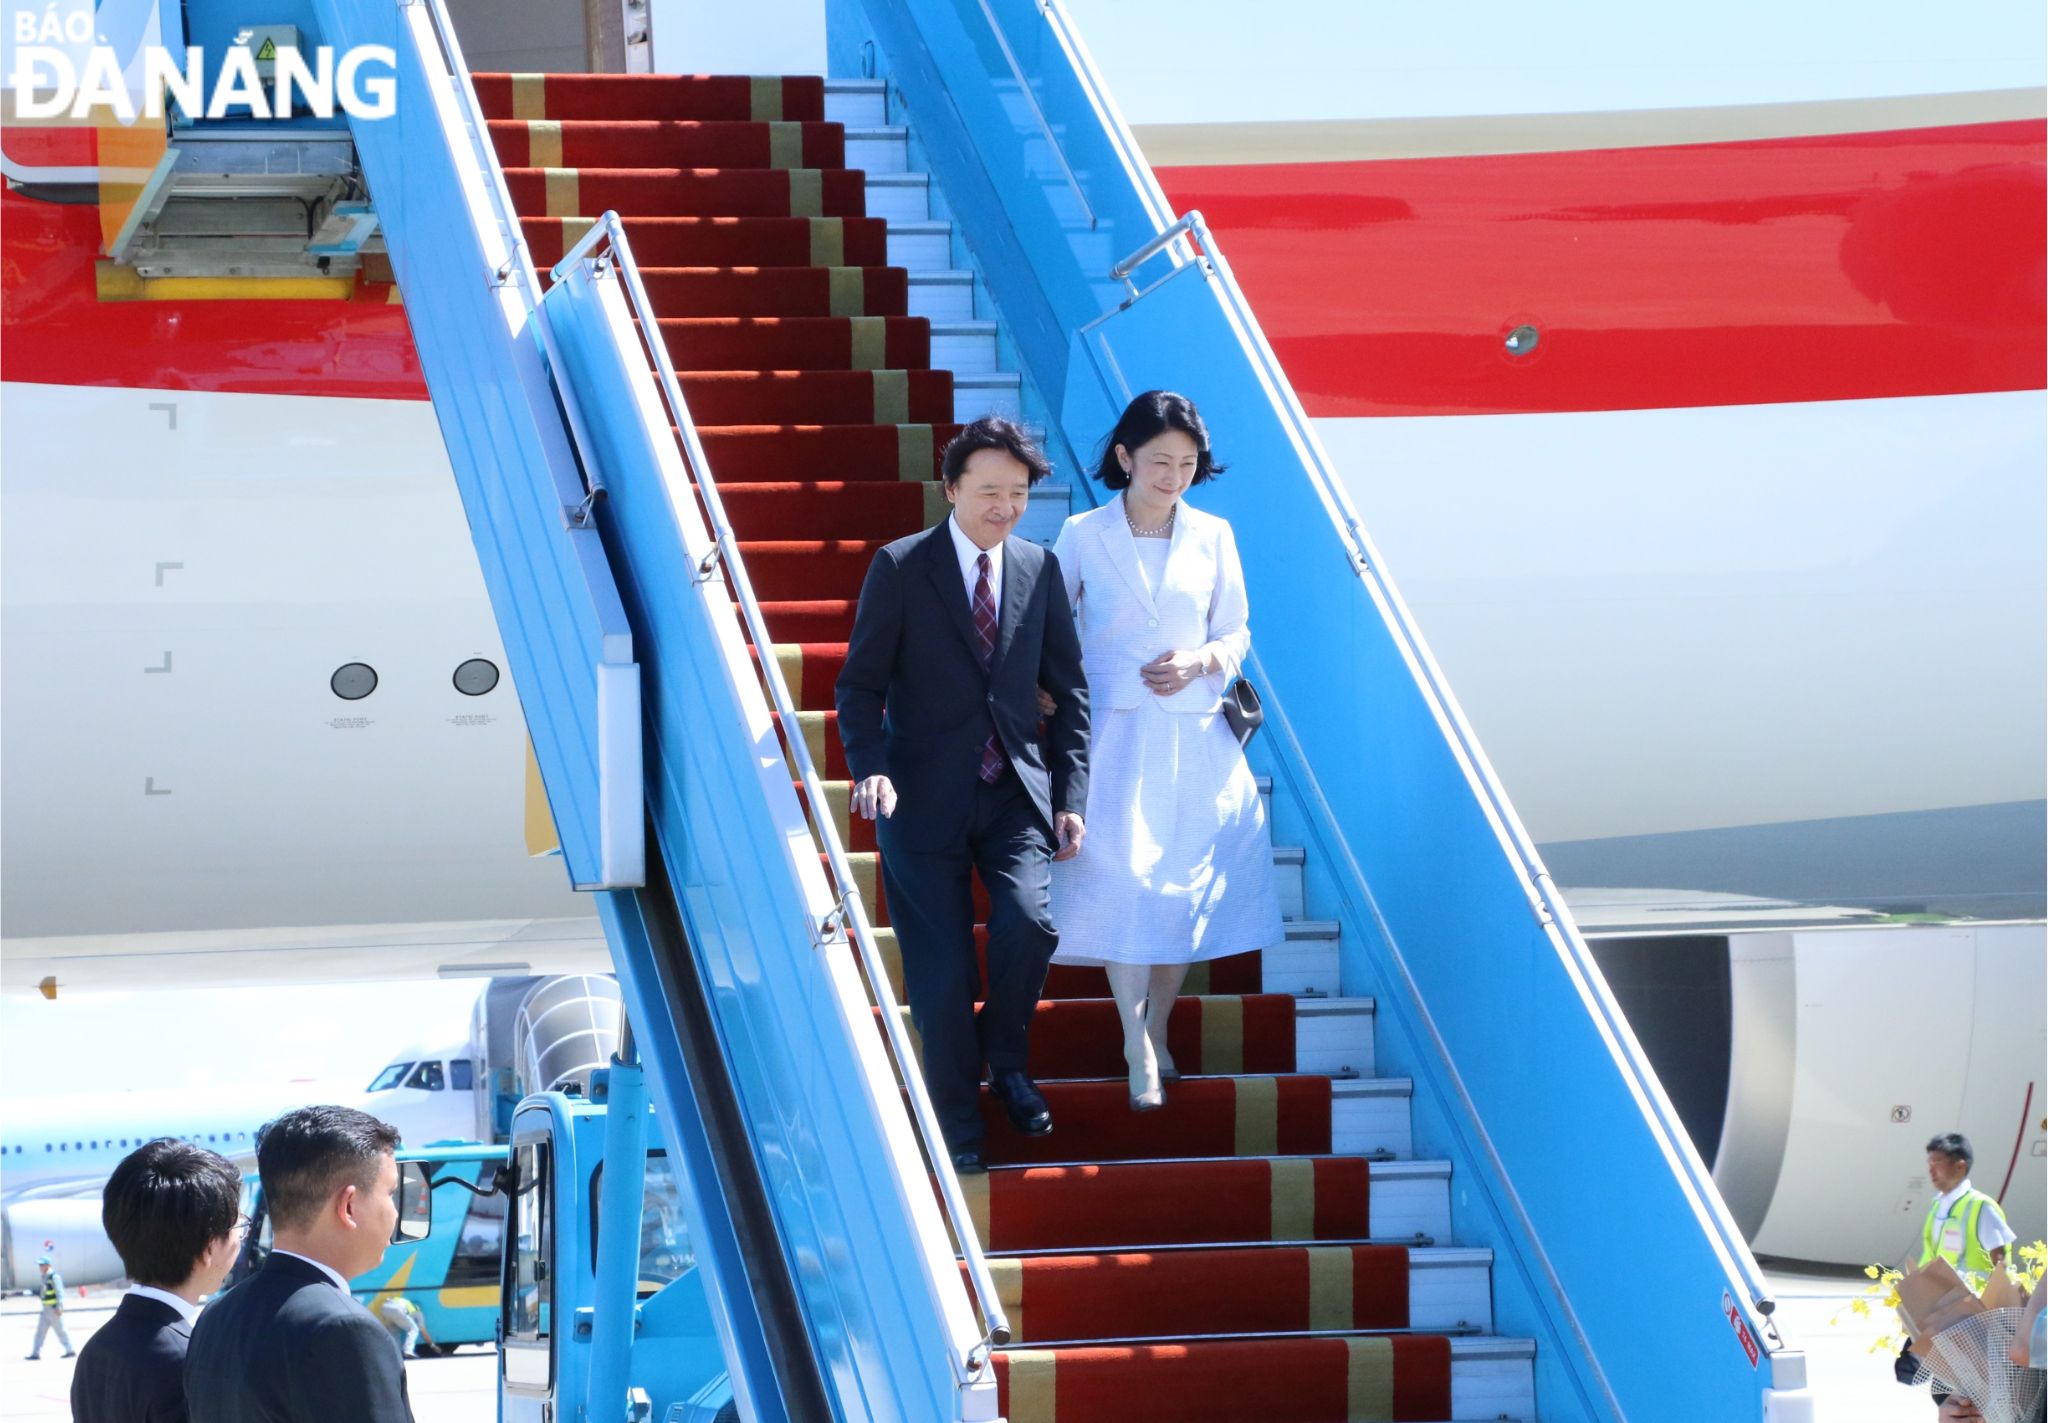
918	704
931	907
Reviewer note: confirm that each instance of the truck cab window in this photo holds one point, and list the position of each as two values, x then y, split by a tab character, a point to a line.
478	1247
527	1357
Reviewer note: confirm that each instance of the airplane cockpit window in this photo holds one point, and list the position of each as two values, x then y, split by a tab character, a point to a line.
427	1077
390	1077
461	1074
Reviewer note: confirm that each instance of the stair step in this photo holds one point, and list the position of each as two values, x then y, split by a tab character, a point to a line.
792	98
942	296
1275	1379
856	102
1493	1378
1306	940
1411	1198
1210	1035
778	291
878	148
1333	1035
1215	1200
1187	1292
900	197
663	192
654	143
1203	1116
799	343
1233	974
920	247
966	348
976	394
740	454
1370	1117
724	241
727	397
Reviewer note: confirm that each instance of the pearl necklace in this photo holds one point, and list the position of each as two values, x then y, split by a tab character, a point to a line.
1149	533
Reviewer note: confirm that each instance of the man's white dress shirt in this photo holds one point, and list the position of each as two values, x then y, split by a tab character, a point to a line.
969	553
186	1309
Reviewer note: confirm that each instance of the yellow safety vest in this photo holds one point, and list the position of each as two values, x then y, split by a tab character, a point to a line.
1965	1252
53	1296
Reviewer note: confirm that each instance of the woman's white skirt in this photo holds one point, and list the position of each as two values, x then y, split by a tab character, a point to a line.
1177	864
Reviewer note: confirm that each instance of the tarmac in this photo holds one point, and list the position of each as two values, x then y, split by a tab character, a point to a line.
1851	1384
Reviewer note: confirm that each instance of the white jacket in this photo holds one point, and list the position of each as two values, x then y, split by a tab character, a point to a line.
1200	606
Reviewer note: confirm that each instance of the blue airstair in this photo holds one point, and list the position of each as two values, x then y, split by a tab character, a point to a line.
1566	1253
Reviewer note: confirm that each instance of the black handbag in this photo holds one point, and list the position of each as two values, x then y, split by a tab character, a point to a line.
1243	710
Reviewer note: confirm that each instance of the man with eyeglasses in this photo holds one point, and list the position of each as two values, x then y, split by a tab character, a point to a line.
173	1213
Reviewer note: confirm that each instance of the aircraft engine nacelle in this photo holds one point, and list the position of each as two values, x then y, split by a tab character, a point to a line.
66	1230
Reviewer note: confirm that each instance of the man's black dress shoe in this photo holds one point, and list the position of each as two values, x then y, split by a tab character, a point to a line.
1022	1102
970	1162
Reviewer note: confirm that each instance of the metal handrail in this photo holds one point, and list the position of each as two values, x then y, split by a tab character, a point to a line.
1551	909
517	269
1024	88
1154	248
848	915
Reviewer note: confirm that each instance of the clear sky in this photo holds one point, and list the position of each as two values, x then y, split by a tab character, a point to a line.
1186	61
1165	62
201	1038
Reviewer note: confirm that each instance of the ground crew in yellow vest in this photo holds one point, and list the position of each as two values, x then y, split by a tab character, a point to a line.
52	1316
1964	1226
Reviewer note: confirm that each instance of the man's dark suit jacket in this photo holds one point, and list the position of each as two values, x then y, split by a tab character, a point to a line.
132	1370
286	1346
915	703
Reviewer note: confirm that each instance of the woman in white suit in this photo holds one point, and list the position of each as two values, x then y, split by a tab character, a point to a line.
1178	865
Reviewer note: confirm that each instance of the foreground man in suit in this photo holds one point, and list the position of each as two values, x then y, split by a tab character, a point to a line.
957	629
290	1344
173	1213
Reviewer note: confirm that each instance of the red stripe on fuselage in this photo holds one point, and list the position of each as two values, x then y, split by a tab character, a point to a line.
57	331
1838	267
1825	268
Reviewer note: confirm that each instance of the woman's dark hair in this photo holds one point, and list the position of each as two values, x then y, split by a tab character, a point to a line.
308	1154
993	432
1144	420
165	1203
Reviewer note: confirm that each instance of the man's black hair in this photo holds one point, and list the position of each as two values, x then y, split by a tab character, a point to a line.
165	1203
1151	414
309	1153
993	432
1955	1146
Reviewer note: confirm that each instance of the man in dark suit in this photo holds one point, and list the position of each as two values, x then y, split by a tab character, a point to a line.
173	1213
958	628
290	1344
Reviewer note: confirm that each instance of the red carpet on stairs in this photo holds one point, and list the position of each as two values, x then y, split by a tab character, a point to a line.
723	241
1405	1378
811	385
1112	1204
1172	1293
777	291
